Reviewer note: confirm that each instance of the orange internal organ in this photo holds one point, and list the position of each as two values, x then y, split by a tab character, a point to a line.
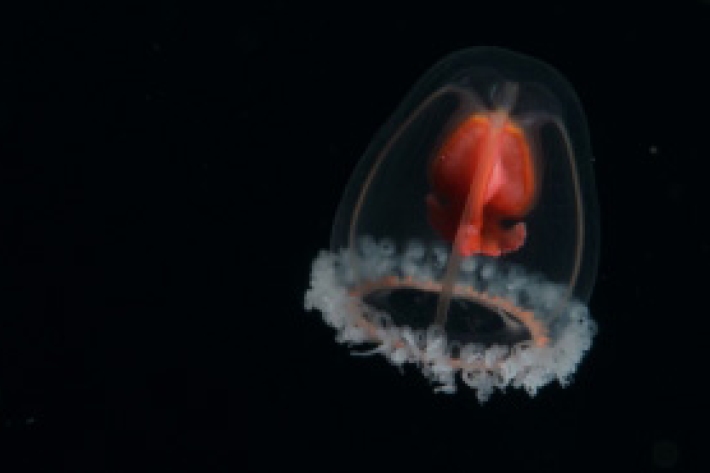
483	179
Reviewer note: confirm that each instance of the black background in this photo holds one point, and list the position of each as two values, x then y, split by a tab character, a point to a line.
168	173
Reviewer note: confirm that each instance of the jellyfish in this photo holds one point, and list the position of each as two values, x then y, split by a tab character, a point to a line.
466	241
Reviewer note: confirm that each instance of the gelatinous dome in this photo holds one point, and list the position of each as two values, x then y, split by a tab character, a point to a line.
467	237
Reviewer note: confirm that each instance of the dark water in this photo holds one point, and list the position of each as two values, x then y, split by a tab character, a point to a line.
168	172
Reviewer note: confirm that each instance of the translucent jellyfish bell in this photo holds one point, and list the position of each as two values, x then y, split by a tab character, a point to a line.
467	238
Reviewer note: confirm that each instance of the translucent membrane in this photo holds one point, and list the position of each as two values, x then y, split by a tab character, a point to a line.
467	240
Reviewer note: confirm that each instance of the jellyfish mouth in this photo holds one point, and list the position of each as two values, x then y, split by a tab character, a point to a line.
468	320
474	316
